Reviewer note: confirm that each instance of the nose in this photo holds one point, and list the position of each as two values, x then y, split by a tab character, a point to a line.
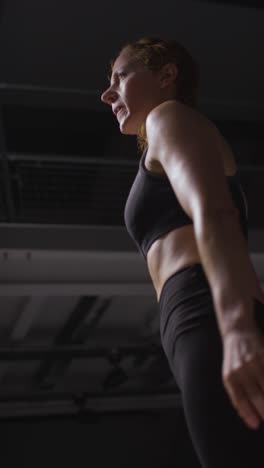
109	96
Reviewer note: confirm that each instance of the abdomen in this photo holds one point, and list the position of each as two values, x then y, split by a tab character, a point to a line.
170	253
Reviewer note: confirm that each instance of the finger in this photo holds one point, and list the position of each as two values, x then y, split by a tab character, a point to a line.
242	404
255	399
255	389
258	367
248	413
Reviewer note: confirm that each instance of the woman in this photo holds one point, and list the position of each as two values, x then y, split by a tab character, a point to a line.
187	213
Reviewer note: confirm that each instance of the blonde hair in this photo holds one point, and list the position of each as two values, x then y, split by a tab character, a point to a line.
154	53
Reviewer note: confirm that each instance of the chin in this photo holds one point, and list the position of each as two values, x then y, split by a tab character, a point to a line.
125	131
129	128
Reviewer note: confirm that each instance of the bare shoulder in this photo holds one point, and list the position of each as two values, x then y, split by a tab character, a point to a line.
179	112
174	126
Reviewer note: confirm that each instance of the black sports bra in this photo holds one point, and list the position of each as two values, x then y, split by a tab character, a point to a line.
152	208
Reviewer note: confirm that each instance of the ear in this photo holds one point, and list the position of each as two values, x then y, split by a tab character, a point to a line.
168	74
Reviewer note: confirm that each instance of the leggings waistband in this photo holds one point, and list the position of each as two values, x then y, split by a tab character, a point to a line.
183	274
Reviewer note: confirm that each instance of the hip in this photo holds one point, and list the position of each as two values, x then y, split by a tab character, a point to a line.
185	298
186	303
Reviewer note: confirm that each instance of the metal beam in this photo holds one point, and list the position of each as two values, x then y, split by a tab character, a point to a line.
35	353
28	315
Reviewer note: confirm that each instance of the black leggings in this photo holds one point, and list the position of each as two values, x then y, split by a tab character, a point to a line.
193	346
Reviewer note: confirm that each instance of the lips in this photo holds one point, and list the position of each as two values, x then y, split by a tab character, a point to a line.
118	109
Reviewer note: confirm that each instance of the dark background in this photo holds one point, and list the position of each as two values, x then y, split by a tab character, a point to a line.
83	379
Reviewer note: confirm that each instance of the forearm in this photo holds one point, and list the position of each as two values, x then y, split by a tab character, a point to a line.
228	268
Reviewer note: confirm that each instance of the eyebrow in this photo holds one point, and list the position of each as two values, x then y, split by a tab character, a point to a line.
116	73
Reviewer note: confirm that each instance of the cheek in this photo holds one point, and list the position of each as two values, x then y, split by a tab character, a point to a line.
138	92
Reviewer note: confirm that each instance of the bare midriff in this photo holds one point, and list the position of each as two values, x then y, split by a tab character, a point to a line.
170	253
178	248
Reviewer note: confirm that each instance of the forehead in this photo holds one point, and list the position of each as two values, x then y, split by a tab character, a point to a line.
122	59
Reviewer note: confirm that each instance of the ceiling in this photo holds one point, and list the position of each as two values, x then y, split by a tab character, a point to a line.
79	319
69	44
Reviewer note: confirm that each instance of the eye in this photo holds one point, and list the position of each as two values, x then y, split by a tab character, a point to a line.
121	74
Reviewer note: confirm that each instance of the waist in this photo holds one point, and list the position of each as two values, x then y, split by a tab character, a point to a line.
170	254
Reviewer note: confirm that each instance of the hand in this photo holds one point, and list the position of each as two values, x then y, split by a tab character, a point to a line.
243	373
